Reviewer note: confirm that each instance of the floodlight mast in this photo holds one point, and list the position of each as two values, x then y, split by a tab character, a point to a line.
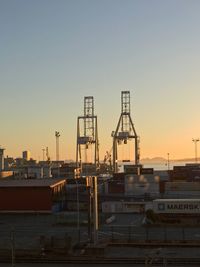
57	135
88	136
195	145
128	132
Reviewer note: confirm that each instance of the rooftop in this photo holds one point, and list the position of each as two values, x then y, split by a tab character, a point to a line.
49	182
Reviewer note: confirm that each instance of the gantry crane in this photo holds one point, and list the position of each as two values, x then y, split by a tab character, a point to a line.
87	134
125	130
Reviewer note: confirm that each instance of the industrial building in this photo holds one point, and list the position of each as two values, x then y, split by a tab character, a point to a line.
32	195
26	155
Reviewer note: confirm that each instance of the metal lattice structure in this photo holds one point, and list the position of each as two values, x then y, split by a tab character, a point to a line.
87	134
125	130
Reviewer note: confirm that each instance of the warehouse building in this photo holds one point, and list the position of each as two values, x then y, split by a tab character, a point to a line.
32	195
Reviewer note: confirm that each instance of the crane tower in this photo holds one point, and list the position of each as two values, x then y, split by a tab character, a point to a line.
125	130
87	134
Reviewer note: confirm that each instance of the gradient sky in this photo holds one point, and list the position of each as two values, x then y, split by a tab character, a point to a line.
55	52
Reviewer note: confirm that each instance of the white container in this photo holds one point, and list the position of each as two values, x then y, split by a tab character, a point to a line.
180	206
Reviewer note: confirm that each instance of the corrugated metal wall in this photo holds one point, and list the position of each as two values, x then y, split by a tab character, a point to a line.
25	198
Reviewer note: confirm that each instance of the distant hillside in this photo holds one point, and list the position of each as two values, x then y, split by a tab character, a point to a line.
153	160
161	160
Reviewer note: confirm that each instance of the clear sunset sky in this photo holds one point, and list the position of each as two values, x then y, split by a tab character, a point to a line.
55	52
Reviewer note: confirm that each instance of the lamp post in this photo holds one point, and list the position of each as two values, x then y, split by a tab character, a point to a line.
195	146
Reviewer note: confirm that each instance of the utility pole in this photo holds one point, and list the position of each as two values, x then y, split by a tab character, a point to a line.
195	147
57	135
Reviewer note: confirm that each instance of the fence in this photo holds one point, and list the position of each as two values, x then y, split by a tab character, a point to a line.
130	233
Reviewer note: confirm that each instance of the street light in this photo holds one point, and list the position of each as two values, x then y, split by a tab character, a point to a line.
195	145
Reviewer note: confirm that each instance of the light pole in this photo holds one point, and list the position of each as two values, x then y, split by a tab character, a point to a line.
168	161
195	146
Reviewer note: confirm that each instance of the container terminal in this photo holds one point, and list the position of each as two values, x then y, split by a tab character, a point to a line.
90	211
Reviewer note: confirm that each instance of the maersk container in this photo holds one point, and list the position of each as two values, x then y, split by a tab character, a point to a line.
177	206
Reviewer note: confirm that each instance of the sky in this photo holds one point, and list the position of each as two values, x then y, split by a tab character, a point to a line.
55	52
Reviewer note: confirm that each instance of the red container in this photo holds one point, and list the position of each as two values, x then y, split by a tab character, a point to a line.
116	187
162	187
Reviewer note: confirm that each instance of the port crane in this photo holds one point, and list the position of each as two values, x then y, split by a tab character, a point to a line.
125	131
87	134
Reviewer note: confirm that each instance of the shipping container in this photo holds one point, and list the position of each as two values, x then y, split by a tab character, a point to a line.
133	207
119	176
6	174
112	206
177	206
141	185
162	187
182	194
132	169
147	171
182	186
114	187
194	174
180	168
123	207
